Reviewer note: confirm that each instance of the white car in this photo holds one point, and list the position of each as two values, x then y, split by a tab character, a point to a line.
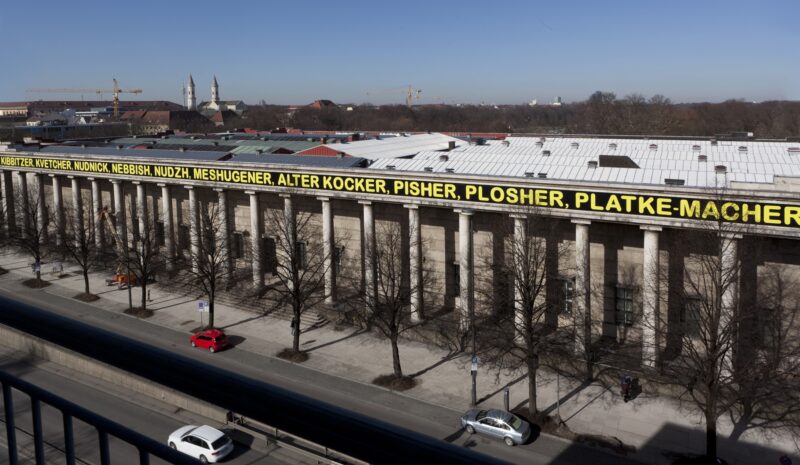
207	444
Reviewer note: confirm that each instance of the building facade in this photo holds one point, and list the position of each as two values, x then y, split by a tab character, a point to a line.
624	234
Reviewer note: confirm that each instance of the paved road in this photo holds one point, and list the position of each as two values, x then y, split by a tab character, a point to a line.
400	410
156	421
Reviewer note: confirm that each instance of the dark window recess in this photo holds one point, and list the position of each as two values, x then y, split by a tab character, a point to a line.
617	161
270	255
624	306
183	232
300	255
566	295
338	254
159	233
691	317
674	182
237	245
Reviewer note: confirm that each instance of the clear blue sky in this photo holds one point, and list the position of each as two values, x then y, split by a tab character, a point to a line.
295	51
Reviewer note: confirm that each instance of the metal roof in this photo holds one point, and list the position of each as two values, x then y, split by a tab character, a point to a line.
567	158
397	147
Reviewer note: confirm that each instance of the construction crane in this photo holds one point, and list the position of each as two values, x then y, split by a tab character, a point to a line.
410	93
115	91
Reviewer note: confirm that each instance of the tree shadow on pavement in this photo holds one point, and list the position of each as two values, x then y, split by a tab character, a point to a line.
444	359
500	389
246	320
568	396
344	338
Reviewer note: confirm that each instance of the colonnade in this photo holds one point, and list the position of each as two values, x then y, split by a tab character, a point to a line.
582	305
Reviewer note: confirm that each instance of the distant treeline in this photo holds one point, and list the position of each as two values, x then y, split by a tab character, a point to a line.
601	113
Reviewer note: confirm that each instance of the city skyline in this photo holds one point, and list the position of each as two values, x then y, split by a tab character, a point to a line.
361	52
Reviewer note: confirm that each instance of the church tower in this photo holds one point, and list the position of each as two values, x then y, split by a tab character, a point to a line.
191	100
215	93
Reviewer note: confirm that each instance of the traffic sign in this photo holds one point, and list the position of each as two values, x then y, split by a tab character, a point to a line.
475	361
202	306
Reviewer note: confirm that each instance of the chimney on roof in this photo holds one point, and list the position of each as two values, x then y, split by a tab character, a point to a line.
451	145
592	164
324	140
119	146
443	158
259	151
340	154
720	169
182	148
506	143
429	169
449	170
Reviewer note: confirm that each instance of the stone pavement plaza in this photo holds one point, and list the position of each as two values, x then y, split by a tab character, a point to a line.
654	425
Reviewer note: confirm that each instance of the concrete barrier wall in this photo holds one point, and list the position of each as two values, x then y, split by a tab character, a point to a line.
44	350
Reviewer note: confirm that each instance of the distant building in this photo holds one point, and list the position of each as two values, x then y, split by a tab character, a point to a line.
216	104
154	122
320	104
45	107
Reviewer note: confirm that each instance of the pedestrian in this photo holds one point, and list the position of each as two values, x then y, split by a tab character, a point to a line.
625	387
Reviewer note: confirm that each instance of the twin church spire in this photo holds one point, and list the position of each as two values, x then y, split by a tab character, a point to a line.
191	97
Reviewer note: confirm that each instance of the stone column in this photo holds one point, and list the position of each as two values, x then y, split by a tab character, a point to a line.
141	210
24	205
77	204
518	246
169	233
41	209
97	205
415	262
650	296
582	298
7	191
194	227
368	228
119	213
466	261
328	250
255	239
58	209
222	224
729	280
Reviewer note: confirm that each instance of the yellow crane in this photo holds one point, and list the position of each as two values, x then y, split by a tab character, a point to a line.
115	91
410	93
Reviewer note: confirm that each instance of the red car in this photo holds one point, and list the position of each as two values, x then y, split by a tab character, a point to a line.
211	339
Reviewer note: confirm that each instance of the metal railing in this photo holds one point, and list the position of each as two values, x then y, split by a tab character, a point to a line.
105	427
350	433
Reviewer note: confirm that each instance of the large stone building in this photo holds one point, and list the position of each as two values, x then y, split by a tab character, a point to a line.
627	213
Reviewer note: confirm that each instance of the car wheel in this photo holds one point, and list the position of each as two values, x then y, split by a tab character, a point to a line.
470	429
172	445
194	344
203	459
509	441
211	349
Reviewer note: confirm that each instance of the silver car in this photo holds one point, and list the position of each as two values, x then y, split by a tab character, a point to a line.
497	423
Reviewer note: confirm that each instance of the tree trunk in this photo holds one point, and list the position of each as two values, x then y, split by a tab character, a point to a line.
533	366
211	310
711	437
398	370
296	329
741	425
39	277
86	281
144	294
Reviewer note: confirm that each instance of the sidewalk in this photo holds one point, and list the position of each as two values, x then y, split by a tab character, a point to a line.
652	425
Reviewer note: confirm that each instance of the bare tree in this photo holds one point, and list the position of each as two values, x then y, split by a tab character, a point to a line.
767	388
710	318
209	264
300	266
521	311
31	235
144	257
389	310
79	241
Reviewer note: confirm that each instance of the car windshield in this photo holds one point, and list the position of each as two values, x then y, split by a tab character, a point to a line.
515	422
480	415
219	442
